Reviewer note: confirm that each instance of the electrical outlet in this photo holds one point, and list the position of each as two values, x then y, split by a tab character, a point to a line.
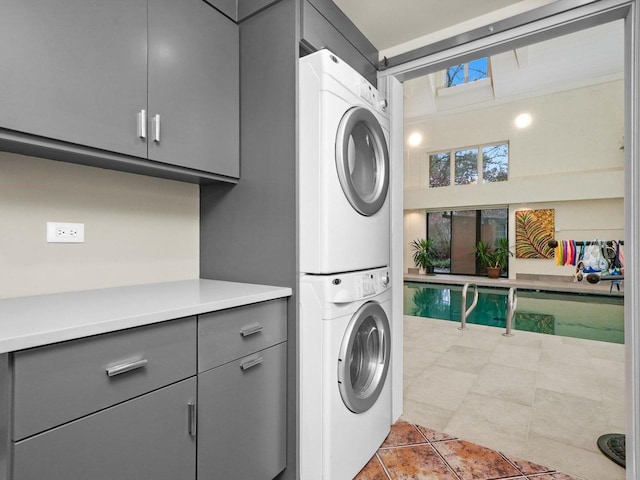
59	232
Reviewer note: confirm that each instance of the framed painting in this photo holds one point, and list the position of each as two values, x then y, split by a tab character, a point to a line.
534	229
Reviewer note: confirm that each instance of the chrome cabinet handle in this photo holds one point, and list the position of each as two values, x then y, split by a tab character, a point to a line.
142	124
193	419
251	363
155	127
126	367
246	331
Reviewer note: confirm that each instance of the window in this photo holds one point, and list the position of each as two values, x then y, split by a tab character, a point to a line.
455	233
491	161
439	169
495	163
467	166
467	72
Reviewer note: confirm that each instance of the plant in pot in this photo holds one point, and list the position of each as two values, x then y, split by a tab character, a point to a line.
494	257
424	254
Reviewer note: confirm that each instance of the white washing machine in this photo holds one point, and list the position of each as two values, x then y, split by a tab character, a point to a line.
344	381
343	168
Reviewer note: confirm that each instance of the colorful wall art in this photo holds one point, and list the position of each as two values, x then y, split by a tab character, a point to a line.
534	229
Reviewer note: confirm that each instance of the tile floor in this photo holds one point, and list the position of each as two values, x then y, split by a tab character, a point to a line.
540	397
413	452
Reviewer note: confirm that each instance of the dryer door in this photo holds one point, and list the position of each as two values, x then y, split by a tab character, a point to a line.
362	160
364	357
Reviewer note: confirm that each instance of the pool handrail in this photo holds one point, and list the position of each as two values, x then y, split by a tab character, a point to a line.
467	311
512	304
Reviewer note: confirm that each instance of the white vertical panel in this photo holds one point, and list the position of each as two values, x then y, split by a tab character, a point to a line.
632	242
396	150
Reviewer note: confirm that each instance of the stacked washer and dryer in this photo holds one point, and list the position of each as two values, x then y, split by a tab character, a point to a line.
345	297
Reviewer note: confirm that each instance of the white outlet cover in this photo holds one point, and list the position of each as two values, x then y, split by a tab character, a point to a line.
65	232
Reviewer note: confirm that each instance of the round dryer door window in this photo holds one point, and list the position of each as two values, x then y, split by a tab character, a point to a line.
364	358
362	160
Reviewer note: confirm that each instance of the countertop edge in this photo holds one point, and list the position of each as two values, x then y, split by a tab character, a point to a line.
25	336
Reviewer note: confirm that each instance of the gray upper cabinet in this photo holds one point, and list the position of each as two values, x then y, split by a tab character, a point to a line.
145	79
75	70
228	7
193	87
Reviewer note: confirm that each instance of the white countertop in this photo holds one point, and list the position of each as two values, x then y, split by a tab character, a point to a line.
27	322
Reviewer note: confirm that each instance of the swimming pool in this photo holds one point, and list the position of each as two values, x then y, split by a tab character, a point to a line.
594	317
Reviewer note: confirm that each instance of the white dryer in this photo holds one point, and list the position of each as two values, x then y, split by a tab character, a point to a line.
343	168
344	381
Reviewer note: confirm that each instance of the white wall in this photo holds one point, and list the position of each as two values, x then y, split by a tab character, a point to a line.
138	229
415	226
569	159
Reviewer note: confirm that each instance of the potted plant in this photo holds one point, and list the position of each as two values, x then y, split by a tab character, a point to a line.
424	254
494	257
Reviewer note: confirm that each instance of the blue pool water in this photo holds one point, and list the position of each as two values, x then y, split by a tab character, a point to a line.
594	317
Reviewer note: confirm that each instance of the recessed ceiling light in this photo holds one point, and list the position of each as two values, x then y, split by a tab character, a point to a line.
415	139
523	120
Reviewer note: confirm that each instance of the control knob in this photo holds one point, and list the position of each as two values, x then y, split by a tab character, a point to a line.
385	280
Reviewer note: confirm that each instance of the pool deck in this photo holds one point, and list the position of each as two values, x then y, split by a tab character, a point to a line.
583	287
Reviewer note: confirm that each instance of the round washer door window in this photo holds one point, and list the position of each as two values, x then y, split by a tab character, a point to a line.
363	360
362	160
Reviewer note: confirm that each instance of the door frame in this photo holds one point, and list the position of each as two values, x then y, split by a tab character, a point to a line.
559	18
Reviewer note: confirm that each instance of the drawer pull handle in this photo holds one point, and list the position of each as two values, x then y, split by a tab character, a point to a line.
193	419
126	367
246	331
251	363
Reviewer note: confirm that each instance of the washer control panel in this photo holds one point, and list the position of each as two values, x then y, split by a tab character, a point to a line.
350	287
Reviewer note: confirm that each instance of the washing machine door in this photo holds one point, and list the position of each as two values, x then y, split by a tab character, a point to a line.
364	357
362	160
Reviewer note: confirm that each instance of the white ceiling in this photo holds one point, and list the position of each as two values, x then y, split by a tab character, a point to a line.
571	61
388	23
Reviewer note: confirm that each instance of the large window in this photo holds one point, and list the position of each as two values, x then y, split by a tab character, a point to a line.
483	163
455	234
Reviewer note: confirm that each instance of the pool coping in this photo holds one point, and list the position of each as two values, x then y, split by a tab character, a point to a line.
583	287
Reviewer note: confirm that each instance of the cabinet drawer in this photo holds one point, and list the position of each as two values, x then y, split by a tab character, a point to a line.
230	334
145	438
58	383
242	418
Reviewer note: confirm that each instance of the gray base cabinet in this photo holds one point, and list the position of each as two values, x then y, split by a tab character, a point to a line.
199	397
242	418
242	381
143	439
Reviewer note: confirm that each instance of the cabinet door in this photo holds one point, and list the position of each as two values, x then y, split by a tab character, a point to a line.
193	86
146	438
241	418
75	70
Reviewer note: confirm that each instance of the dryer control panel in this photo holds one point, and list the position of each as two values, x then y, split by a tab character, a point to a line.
368	93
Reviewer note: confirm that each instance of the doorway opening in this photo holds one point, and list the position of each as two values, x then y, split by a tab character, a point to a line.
459	201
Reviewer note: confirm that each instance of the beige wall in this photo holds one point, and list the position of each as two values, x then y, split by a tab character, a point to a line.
569	160
138	229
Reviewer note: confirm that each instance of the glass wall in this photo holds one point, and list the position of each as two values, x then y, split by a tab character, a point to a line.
455	234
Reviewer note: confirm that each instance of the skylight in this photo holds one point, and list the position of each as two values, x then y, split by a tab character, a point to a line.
467	72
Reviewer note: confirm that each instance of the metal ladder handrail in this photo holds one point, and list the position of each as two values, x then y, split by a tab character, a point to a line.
512	304
467	311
